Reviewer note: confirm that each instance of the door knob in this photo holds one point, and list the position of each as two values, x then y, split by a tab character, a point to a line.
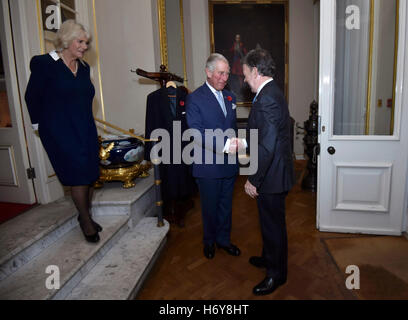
331	150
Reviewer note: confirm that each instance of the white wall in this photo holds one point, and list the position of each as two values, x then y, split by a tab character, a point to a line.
174	39
127	40
197	39
301	63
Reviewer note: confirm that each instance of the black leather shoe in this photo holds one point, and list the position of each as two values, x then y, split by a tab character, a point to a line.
266	286
258	262
233	250
209	251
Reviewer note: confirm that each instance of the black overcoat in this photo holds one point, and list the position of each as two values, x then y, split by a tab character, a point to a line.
177	180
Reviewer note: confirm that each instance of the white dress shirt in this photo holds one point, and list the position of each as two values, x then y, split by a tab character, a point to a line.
214	91
261	87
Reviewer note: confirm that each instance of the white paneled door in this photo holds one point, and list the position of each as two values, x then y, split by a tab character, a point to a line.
15	185
362	171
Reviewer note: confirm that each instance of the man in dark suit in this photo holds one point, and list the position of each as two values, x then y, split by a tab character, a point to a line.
275	176
210	107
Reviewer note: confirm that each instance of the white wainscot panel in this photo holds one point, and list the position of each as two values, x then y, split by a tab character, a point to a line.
362	187
8	170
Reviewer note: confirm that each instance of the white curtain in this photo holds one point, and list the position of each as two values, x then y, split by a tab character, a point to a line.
352	58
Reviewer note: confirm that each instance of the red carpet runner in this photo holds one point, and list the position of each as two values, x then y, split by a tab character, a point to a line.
11	210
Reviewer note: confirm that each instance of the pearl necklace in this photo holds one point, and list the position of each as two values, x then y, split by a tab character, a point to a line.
76	64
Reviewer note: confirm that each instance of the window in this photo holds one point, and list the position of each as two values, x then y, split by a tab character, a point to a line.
366	55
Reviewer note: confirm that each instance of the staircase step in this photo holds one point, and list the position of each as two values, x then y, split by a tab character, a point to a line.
137	202
72	254
27	235
122	271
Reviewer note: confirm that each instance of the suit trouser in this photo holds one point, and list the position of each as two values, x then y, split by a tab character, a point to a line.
273	227
216	209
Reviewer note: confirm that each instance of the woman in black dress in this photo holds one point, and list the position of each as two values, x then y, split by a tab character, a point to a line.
59	99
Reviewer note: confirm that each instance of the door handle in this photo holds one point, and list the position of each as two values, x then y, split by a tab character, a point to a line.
331	150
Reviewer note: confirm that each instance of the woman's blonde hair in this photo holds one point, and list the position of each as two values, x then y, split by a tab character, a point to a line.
69	31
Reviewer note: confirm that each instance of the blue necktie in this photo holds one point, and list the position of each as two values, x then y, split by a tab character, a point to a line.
220	99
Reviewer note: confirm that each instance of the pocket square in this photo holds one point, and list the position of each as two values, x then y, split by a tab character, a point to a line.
234	106
183	112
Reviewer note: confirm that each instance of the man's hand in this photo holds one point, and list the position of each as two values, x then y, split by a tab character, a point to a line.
251	190
233	147
35	129
236	145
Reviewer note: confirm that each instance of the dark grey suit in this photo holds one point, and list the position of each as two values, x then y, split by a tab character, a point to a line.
275	175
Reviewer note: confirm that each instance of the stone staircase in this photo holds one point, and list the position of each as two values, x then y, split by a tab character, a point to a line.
43	254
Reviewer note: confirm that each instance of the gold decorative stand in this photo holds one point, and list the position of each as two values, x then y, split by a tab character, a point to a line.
128	174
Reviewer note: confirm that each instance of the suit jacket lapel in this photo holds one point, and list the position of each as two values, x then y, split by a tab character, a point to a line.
179	107
165	105
270	83
254	107
213	101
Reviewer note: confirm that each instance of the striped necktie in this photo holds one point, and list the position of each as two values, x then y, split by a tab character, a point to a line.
220	99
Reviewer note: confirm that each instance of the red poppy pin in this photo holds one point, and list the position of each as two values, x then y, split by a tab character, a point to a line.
229	98
182	103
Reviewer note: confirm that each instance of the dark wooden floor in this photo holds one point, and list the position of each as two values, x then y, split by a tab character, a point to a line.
182	272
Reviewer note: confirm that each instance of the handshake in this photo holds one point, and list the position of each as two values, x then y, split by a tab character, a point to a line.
236	145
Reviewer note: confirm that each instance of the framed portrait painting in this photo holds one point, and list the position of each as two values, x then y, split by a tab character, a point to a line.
240	26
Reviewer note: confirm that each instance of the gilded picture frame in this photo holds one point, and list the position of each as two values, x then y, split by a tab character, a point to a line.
172	55
240	26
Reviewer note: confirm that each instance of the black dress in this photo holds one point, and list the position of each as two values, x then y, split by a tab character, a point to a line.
62	106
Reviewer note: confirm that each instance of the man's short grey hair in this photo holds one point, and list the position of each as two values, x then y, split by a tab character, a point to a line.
212	61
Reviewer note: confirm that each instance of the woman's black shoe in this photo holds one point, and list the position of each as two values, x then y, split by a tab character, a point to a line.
96	225
93	238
